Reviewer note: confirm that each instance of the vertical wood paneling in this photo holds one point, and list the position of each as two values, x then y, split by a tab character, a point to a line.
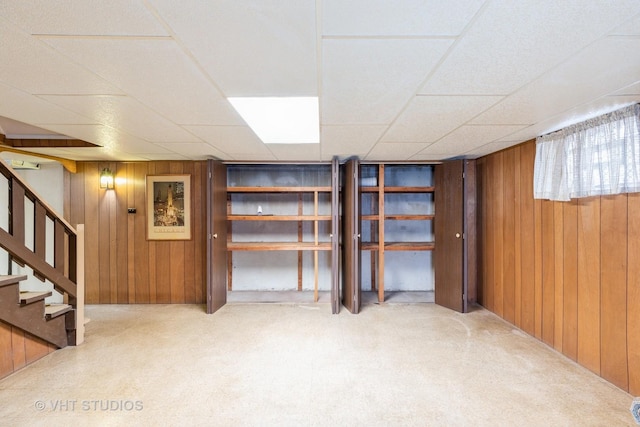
548	272
508	248
633	294
489	252
498	229
189	245
570	280
576	282
6	350
558	285
121	226
537	268
131	233
589	283
91	208
613	288
517	197
527	239
141	255
121	265
18	347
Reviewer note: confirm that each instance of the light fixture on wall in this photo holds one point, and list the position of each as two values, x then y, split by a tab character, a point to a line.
106	179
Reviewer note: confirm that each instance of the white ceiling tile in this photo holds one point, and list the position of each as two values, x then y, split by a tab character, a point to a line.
170	155
394	151
347	141
586	76
157	73
388	18
369	81
630	28
20	106
253	157
250	48
125	114
107	137
489	148
429	118
231	139
113	17
195	150
513	42
296	152
88	153
25	58
11	127
633	89
465	138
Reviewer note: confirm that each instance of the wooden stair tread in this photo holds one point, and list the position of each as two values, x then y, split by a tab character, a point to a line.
11	280
54	310
27	297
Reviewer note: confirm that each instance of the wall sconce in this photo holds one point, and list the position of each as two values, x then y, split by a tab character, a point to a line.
106	179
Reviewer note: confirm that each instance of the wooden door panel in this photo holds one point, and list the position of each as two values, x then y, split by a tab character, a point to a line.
335	236
216	235
449	229
351	237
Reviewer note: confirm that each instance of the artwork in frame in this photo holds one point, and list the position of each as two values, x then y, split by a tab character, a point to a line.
169	207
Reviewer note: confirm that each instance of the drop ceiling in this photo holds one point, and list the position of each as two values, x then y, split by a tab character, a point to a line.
396	80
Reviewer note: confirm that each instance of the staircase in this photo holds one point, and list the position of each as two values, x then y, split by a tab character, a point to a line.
58	324
54	323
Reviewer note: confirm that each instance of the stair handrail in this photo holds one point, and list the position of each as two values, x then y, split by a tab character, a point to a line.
68	260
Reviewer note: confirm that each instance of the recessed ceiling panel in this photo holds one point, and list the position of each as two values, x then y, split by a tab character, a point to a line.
367	81
598	70
113	17
20	106
296	152
195	150
125	114
26	58
466	138
230	139
107	138
157	73
513	42
250	48
394	151
346	141
429	118
388	18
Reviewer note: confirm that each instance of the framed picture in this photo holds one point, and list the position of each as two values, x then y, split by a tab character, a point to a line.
169	207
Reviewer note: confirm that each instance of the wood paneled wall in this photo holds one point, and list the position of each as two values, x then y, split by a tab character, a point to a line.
121	265
19	348
564	272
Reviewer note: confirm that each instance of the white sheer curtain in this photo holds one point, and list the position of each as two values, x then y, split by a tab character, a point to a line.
596	157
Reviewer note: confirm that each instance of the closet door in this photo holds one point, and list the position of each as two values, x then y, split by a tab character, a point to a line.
456	256
449	235
216	235
351	236
335	236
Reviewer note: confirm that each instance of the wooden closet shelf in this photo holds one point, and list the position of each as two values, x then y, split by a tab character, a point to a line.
399	217
398	189
268	217
278	246
278	189
399	246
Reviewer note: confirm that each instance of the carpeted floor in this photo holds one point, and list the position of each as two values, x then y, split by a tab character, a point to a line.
296	364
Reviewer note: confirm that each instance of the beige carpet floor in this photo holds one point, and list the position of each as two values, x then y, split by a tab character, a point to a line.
296	364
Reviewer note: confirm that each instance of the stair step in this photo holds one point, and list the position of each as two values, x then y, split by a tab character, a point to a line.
11	280
27	297
54	310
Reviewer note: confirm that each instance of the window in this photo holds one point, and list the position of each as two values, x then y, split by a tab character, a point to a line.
596	157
